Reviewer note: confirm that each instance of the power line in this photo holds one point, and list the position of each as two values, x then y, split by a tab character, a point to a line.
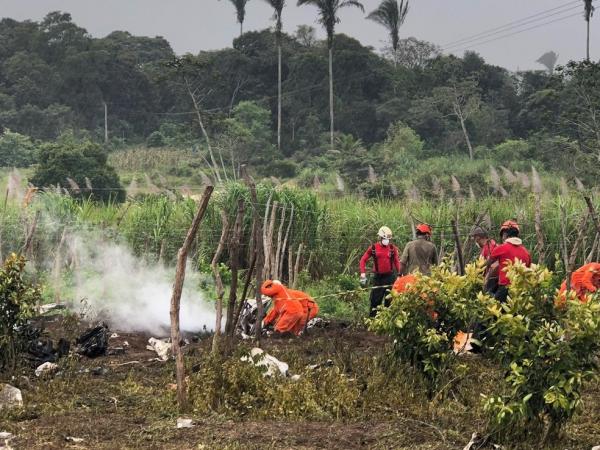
483	34
476	44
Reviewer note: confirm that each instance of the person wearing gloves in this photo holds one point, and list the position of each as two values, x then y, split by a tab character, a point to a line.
287	314
386	264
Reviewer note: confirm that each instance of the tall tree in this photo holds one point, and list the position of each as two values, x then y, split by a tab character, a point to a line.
589	12
391	15
278	6
328	17
240	12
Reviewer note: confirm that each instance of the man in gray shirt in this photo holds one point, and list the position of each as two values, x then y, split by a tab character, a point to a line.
420	254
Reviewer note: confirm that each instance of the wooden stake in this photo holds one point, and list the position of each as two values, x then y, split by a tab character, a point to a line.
540	247
244	292
284	245
459	252
297	265
57	266
234	256
218	281
182	399
258	249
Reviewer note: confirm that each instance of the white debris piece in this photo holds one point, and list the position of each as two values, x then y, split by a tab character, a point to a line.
10	396
184	423
262	359
125	344
75	440
161	346
46	369
5	438
43	309
114	336
596	447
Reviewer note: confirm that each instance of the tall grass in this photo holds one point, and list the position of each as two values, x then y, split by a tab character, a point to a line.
334	231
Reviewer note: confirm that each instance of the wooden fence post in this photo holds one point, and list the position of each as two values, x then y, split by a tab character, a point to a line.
182	398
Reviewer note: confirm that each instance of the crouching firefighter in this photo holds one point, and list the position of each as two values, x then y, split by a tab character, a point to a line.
386	264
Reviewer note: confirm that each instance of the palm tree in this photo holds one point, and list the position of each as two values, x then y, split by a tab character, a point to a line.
589	12
391	15
278	6
240	12
328	17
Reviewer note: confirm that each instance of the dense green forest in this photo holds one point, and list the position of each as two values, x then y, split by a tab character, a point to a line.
391	114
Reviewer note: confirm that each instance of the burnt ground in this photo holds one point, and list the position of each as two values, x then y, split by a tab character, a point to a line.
126	401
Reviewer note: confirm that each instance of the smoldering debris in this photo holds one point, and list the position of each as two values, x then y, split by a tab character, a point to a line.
130	294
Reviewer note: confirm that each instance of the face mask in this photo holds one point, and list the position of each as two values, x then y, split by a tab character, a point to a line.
385	242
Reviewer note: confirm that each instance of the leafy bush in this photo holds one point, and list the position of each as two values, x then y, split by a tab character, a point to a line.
76	160
425	320
547	354
156	139
16	150
17	299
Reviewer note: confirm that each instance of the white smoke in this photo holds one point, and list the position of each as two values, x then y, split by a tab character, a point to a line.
130	294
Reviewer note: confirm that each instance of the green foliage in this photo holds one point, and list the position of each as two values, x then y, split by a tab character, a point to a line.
239	389
17	300
425	320
16	150
547	354
77	160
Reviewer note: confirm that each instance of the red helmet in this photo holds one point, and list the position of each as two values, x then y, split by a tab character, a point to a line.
424	228
509	224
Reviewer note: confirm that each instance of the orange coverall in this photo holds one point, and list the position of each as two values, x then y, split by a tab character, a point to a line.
584	281
287	312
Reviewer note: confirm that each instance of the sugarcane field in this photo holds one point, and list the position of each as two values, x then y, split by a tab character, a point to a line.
304	224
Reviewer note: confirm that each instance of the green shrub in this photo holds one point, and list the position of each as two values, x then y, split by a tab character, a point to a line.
547	355
70	159
16	150
156	139
425	320
17	300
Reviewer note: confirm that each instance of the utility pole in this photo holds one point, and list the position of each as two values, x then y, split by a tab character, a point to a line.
105	123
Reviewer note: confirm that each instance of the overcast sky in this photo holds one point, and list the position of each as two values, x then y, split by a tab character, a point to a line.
193	25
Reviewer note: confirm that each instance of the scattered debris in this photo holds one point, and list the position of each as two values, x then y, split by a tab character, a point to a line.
114	336
125	344
47	368
98	371
318	322
10	396
248	316
162	347
295	377
43	309
5	438
115	351
327	363
94	342
596	447
478	442
262	359
185	423
462	343
74	440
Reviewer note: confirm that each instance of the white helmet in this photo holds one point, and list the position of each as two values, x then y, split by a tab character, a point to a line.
384	233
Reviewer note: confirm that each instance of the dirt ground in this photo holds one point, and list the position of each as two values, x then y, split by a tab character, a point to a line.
113	402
